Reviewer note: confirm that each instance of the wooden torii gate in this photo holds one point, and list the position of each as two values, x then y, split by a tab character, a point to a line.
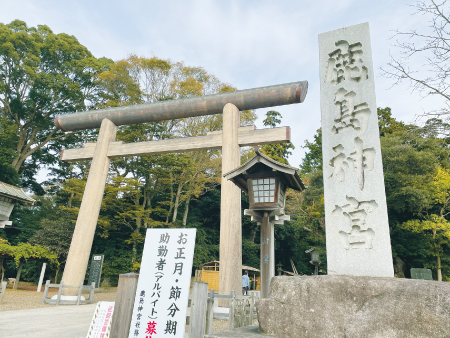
229	139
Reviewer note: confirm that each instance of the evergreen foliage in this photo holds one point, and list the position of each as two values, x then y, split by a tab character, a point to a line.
41	74
26	251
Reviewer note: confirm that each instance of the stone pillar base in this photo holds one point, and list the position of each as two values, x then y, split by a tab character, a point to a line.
355	307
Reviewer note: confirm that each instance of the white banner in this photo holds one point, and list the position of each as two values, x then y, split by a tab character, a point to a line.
162	292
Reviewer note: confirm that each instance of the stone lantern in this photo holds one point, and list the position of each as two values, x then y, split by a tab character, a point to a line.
265	181
314	259
9	194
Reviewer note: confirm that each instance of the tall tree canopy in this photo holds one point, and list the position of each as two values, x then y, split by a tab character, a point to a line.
41	74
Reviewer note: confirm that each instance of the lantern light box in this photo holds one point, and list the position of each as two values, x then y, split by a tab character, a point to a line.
265	180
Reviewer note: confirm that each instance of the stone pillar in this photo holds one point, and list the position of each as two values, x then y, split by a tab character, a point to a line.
41	278
83	235
356	221
230	273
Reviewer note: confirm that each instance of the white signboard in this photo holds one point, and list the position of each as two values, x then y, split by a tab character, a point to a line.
101	321
164	280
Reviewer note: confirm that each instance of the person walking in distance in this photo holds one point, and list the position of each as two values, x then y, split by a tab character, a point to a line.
245	283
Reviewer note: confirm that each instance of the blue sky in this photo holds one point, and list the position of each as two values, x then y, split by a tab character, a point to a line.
245	43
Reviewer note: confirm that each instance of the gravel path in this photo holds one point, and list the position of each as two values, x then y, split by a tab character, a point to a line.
22	299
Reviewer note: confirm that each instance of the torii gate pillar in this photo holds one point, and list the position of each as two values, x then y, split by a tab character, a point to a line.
230	253
83	235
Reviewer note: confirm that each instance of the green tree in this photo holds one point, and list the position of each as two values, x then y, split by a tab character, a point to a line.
279	151
25	251
386	123
313	156
8	141
273	118
126	205
410	163
56	236
120	87
433	224
42	74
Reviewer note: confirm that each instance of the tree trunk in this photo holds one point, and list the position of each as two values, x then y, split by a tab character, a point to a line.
136	231
439	272
133	257
186	210
171	199
177	202
56	275
69	202
24	149
170	208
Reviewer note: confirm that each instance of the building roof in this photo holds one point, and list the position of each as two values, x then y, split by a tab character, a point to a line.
260	161
244	267
14	193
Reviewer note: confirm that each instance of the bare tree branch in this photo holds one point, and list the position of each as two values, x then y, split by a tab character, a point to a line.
430	49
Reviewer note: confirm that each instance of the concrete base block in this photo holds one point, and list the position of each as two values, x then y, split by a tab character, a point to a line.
355	307
68	298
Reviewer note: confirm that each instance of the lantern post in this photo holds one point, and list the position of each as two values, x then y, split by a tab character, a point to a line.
265	181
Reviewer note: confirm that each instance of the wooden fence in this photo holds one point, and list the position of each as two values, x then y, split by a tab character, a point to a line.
241	310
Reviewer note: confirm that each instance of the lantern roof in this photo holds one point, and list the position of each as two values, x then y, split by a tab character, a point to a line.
262	163
15	193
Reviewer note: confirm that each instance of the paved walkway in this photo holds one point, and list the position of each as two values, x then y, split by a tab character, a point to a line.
70	321
54	322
